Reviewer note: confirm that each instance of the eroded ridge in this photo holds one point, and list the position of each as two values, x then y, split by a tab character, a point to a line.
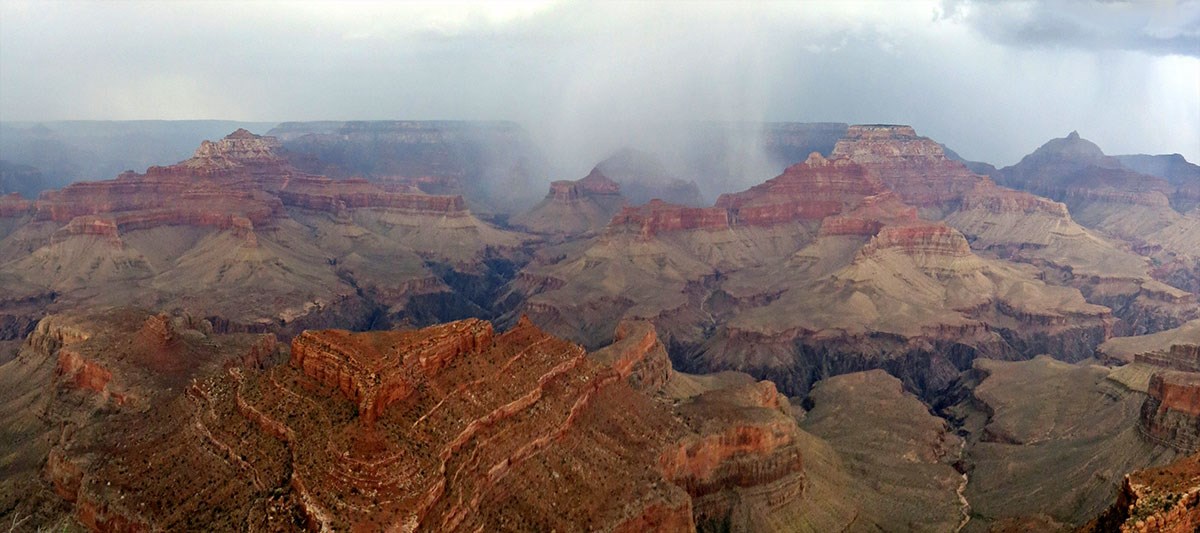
450	428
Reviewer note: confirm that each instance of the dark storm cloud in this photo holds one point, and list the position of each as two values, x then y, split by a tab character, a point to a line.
587	78
1150	27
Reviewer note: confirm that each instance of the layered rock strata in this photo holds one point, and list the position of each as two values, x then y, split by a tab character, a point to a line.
239	234
792	278
450	428
574	207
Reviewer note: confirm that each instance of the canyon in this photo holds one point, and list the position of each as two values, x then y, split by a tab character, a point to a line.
379	430
342	326
238	234
885	254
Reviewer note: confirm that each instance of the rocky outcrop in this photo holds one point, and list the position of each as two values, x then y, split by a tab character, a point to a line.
637	355
914	167
869	217
376	370
1171	413
920	239
450	428
734	462
238	149
812	190
338	196
659	217
1161	500
1181	357
574	207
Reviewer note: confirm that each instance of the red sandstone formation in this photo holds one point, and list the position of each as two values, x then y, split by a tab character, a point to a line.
811	190
1171	412
1155	500
324	194
921	238
869	216
237	233
450	428
375	370
658	217
914	167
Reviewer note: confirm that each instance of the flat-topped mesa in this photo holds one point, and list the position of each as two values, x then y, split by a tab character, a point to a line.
377	369
915	167
880	143
594	184
112	227
660	217
806	191
178	195
13	205
324	194
918	239
1183	357
1171	413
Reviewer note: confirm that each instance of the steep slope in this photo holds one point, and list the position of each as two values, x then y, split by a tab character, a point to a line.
1181	173
791	279
1048	442
1163	499
572	208
238	234
1155	216
1020	227
877	460
169	426
1166	366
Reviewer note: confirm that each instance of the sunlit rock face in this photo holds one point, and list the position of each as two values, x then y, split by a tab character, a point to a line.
455	427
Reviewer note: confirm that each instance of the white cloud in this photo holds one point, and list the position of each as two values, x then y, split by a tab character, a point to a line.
565	68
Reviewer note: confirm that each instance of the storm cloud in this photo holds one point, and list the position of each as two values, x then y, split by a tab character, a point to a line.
992	80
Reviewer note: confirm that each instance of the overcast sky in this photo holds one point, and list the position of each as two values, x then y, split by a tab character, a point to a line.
992	80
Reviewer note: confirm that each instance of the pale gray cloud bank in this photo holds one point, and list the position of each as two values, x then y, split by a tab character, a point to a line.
992	80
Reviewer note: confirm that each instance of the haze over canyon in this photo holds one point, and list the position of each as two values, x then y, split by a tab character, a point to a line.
600	267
